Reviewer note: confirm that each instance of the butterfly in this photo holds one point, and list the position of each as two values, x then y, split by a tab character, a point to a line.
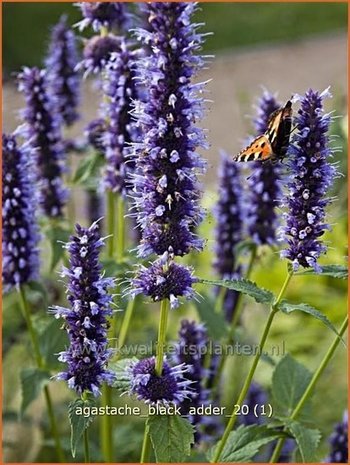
274	143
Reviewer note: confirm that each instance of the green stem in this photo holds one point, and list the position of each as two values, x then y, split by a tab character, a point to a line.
106	426
40	363
277	452
120	230
146	446
235	319
245	388
110	222
163	323
125	326
86	446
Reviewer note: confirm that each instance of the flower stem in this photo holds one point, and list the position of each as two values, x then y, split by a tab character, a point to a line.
86	446
277	452
245	388
235	319
125	326
163	323
110	222
106	426
40	363
120	229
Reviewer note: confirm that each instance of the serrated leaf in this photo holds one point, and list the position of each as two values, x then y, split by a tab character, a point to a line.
52	340
78	421
171	437
245	286
288	307
33	381
214	322
335	271
307	440
57	235
289	381
122	381
88	167
244	443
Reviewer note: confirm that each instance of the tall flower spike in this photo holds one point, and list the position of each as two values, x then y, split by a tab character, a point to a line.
42	130
339	442
171	387
86	319
311	176
108	15
264	184
121	90
229	213
60	64
164	279
191	349
19	225
166	186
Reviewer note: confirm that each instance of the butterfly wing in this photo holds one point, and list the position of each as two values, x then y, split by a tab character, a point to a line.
278	129
259	149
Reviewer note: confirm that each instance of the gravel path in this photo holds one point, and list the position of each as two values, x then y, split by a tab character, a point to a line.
237	77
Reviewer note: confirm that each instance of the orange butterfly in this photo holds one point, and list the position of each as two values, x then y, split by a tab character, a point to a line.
274	143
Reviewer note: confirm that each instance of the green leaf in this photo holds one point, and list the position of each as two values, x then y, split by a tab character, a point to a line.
215	323
52	339
33	381
335	271
56	236
245	286
289	381
88	167
78	421
171	436
244	443
122	381
112	268
307	440
287	308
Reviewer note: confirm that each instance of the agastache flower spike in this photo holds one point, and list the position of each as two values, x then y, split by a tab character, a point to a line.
19	224
229	212
263	184
120	89
86	319
166	187
164	279
97	51
60	64
104	15
171	387
94	133
311	176
191	349
339	442
42	129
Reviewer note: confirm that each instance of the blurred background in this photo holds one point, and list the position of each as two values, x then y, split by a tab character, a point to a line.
283	47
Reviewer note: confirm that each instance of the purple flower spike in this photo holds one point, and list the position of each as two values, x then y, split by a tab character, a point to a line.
94	133
164	279
172	387
120	89
311	176
264	184
166	186
60	64
97	52
104	14
229	212
19	225
339	442
42	130
191	349
86	319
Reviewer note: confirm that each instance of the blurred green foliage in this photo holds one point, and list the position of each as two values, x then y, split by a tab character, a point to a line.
26	25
